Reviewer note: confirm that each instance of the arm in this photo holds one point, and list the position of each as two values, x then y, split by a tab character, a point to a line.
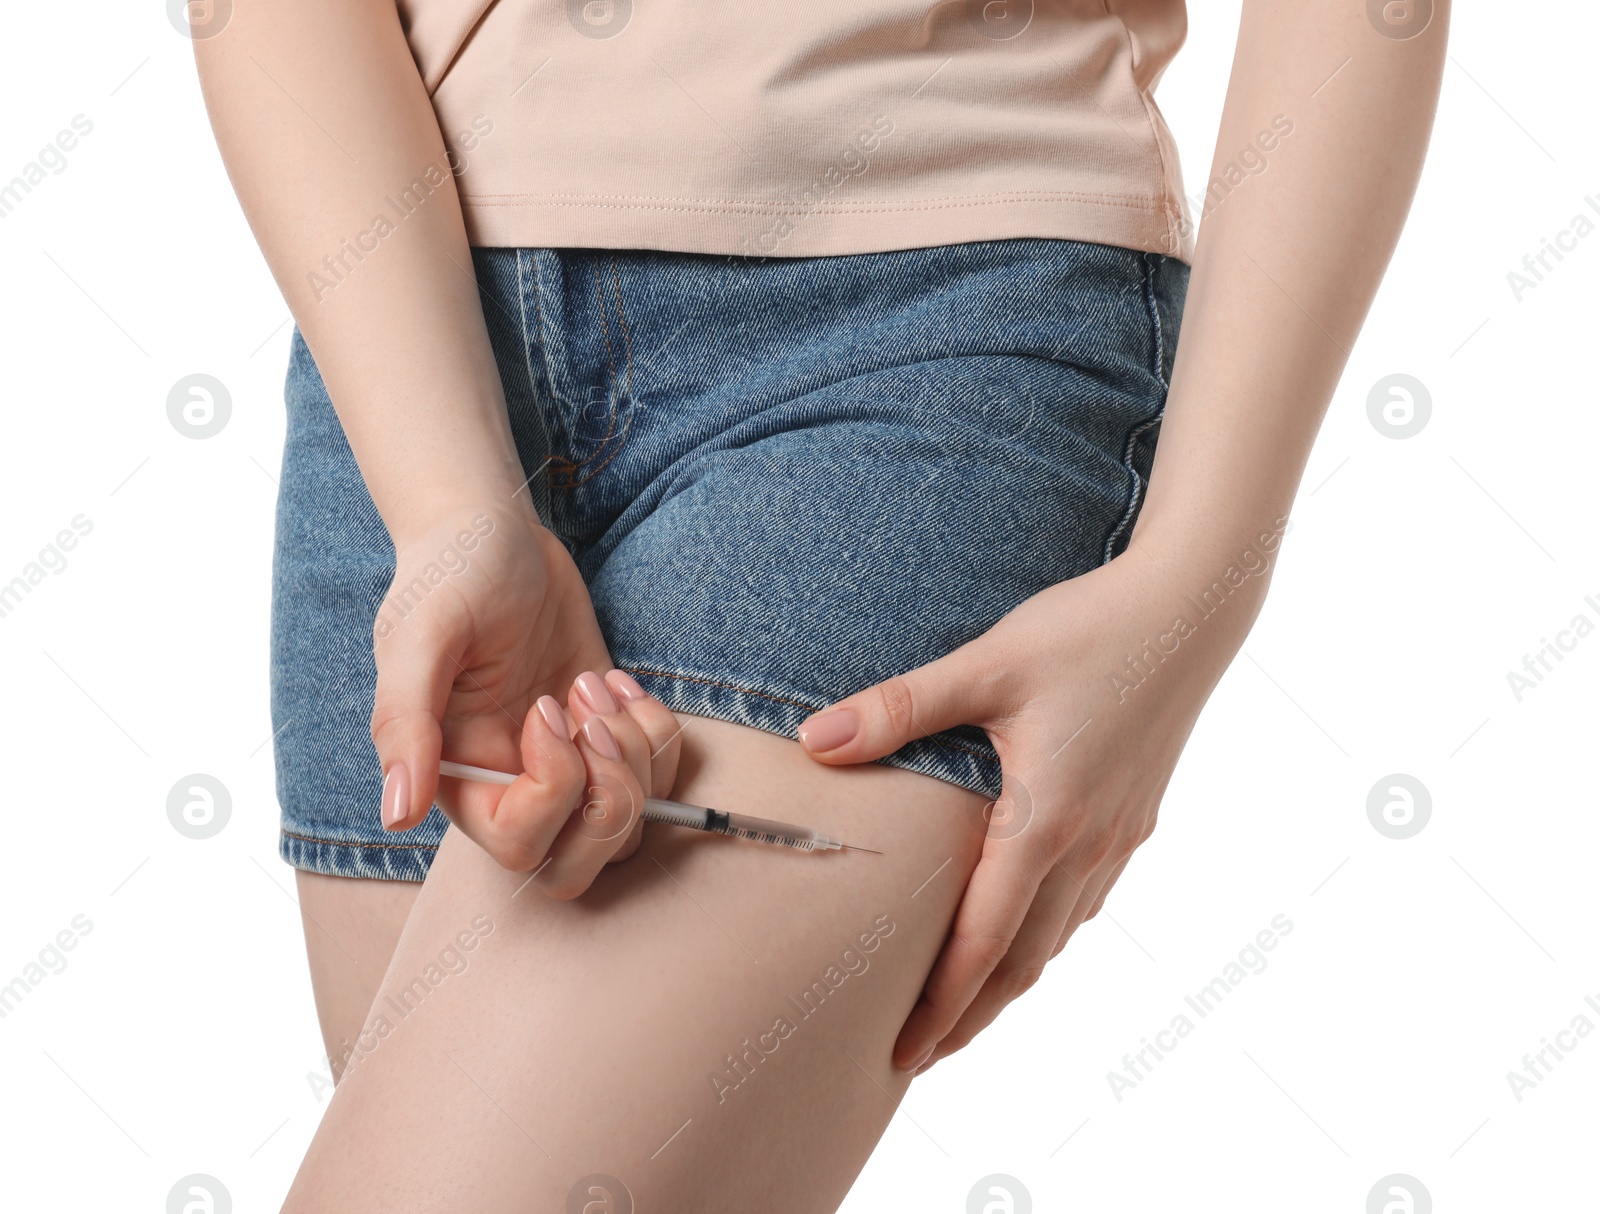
1285	270
1287	264
322	117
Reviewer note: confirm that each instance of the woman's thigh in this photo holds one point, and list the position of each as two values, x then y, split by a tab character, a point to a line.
352	925
708	1028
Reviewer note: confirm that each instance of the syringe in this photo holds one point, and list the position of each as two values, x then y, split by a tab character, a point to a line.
695	817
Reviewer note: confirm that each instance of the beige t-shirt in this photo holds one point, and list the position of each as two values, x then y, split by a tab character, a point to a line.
805	127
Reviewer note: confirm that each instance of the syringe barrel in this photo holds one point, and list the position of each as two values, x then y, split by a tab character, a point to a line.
676	814
804	836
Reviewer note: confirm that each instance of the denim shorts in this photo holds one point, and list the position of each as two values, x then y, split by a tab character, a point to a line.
783	480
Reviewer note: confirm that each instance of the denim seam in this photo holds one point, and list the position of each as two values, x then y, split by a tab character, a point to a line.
527	355
573	466
767	695
552	458
627	348
1136	490
386	846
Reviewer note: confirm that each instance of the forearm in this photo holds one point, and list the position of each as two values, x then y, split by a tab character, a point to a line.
1286	267
322	119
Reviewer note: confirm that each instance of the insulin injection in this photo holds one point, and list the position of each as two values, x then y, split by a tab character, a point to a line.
695	817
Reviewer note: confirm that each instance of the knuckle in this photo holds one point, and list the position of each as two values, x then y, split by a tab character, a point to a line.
898	703
1014	980
571	784
563	777
509	840
658	721
507	853
383	717
1096	848
989	948
987	681
1061	835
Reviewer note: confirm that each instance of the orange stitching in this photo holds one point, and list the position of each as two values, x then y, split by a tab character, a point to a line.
689	678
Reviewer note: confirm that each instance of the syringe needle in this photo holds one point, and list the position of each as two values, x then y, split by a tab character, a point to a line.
695	817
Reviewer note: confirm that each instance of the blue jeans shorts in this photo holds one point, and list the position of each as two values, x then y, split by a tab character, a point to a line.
783	480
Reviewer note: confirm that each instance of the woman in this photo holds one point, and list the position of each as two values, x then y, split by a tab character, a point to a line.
707	401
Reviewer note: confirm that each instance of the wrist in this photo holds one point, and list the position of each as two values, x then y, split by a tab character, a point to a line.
1200	592
461	519
1204	548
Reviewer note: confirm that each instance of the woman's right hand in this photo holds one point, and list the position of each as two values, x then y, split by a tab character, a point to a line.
486	613
580	799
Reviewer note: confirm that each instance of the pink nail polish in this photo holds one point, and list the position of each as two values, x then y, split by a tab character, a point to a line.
550	710
600	738
595	692
623	684
830	730
396	794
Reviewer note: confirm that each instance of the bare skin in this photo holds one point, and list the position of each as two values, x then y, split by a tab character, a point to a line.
583	1034
352	926
593	1019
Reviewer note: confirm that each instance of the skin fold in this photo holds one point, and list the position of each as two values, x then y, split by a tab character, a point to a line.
582	1033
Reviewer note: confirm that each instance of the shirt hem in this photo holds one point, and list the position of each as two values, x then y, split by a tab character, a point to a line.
739	229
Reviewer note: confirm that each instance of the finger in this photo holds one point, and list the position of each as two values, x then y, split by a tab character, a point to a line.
1100	898
415	673
591	697
997	898
1023	963
660	725
612	803
960	688
1096	889
518	829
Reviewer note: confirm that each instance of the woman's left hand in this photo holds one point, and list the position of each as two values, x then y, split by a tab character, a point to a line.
1087	744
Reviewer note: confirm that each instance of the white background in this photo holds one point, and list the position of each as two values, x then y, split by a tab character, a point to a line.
179	1037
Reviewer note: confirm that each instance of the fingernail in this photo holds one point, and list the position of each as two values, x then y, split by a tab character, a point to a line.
600	738
595	692
396	794
830	730
916	1063
622	682
550	710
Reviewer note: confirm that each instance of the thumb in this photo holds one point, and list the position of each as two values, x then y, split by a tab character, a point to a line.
958	689
413	686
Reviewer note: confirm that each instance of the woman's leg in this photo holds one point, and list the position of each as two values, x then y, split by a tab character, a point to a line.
709	1026
352	925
